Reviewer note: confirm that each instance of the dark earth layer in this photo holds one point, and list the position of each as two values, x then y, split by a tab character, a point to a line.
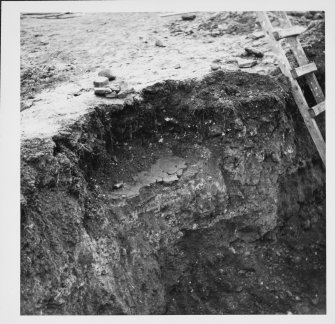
200	197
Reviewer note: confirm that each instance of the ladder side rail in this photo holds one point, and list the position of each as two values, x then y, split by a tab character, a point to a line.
296	90
302	59
284	18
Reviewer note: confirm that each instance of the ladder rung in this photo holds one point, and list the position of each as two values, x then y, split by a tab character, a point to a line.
318	109
303	70
288	32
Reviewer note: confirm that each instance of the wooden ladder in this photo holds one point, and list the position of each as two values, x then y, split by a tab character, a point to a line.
305	69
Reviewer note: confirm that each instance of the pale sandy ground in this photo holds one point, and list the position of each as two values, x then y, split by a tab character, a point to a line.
79	47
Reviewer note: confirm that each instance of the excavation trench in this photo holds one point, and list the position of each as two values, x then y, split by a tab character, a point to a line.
194	197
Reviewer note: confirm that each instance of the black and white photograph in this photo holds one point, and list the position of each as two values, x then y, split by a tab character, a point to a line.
171	162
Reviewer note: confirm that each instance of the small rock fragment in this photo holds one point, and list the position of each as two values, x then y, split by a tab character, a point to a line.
188	17
231	60
170	179
179	172
215	33
111	95
171	120
129	101
275	157
306	225
223	27
102	91
318	15
118	186
239	288
177	66
309	15
124	93
100	82
253	51
246	63
215	67
315	300
214	130
257	35
107	73
23	200
159	43
115	88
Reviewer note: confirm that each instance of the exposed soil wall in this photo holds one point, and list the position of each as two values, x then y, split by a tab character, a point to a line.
195	197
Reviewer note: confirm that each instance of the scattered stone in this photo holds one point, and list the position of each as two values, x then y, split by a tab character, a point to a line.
318	15
258	42
309	15
239	288
123	94
100	82
223	27
170	178
260	70
107	73
315	300
215	130
289	293
246	63
231	60
306	225
275	157
257	35
253	51
177	66
215	67
118	186
115	88
26	105
111	95
129	101
23	200
243	54
215	33
171	120
159	43
102	91
179	173
188	17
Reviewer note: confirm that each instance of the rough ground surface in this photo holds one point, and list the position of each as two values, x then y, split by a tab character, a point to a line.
191	196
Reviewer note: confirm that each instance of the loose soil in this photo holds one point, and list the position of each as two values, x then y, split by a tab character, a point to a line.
193	196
